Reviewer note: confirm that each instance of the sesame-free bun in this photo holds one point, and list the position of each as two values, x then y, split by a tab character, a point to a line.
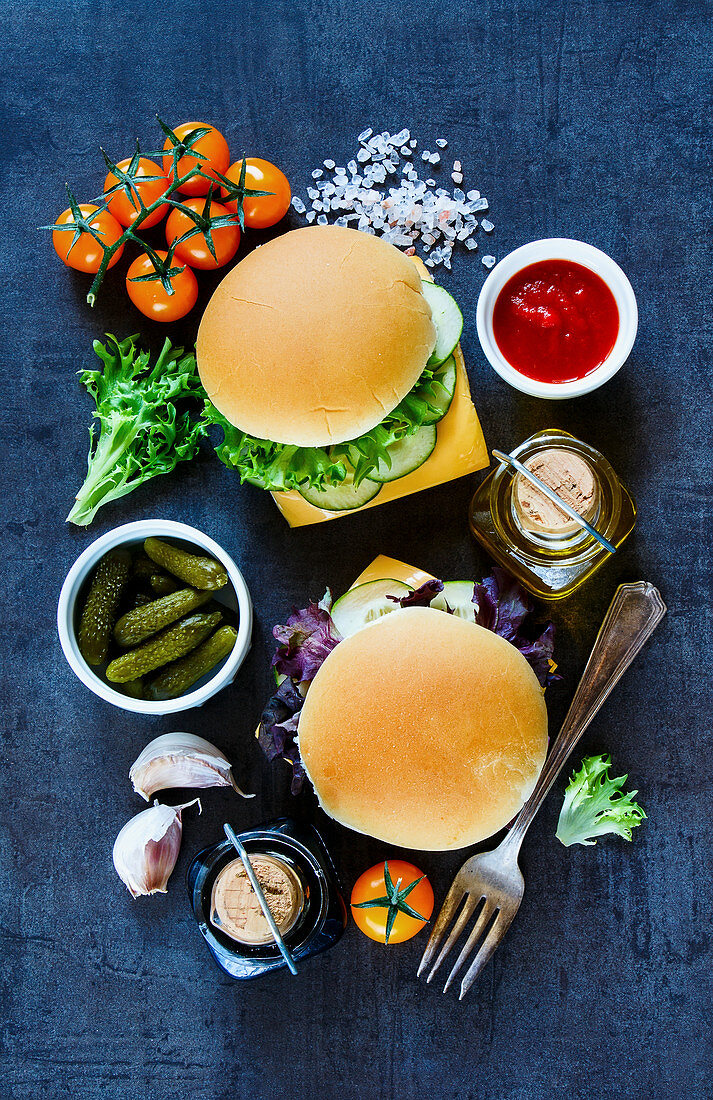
314	337
424	730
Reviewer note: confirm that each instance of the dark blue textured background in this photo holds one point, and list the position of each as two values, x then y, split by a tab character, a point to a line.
582	119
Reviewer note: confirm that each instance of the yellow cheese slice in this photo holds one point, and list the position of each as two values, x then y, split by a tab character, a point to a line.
460	449
385	568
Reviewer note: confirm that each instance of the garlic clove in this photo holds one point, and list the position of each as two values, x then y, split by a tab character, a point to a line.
181	760
146	849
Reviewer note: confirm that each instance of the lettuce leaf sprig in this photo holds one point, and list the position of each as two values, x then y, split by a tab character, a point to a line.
595	805
280	467
141	432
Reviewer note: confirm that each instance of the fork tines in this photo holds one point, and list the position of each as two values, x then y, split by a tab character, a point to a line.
491	917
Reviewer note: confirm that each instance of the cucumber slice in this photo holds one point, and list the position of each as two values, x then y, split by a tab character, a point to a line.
442	394
447	318
459	597
343	497
407	454
365	604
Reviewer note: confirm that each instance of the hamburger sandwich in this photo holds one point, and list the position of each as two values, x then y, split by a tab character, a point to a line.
335	373
417	714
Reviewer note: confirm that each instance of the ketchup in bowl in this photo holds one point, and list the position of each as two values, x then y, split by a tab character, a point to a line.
555	321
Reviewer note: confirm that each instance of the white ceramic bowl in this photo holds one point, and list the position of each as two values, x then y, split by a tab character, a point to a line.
134	534
559	248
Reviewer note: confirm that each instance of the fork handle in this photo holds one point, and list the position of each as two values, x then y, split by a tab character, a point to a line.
633	615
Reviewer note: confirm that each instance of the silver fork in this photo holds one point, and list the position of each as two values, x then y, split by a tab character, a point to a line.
492	881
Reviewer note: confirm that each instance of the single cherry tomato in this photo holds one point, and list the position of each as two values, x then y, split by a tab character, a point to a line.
392	901
212	146
264	210
152	298
195	251
126	209
86	253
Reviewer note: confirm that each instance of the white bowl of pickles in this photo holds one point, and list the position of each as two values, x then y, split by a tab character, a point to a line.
154	617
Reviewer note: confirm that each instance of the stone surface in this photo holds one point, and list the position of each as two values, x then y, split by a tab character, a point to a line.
578	119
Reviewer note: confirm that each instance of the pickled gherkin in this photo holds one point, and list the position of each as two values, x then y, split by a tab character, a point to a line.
134	688
102	606
169	645
137	625
142	566
139	599
199	572
162	584
179	676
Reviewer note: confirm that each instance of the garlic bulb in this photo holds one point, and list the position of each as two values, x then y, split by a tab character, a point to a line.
181	760
146	849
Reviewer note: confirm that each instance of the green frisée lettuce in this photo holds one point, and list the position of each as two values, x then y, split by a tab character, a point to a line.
283	466
595	805
141	432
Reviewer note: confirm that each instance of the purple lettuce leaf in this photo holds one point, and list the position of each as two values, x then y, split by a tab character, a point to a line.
305	640
419	597
278	721
504	607
278	729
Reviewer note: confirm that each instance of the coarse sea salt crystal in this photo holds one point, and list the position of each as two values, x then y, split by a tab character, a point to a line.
298	205
487	226
365	134
457	177
408	210
488	261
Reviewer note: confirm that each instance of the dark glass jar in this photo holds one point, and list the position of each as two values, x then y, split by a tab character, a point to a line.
323	913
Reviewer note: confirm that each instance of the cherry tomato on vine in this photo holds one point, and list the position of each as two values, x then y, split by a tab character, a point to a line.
263	210
152	299
212	146
195	251
86	253
126	209
392	901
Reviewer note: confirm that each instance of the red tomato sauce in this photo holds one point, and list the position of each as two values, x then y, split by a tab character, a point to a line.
555	321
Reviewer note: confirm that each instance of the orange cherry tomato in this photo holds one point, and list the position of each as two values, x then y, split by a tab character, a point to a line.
151	297
126	209
264	210
373	886
86	253
195	251
214	148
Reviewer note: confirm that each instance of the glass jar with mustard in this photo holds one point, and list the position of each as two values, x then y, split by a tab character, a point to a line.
552	512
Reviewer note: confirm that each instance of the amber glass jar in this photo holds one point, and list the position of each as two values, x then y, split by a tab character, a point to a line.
551	564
